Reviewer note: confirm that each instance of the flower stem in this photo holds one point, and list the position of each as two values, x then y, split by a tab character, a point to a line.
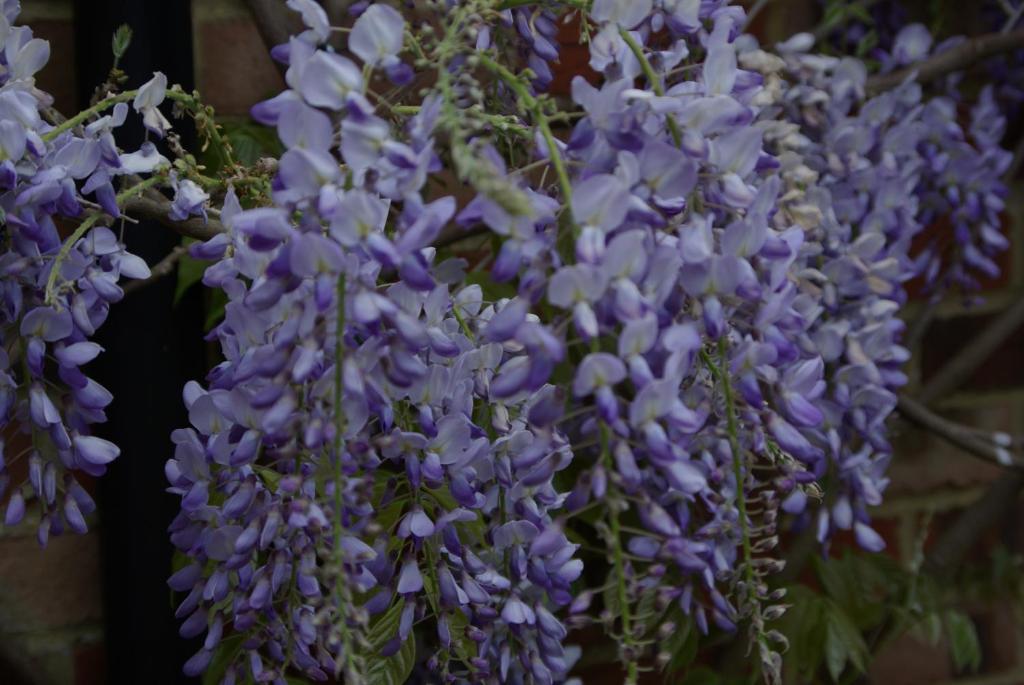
207	126
632	669
720	373
532	104
339	478
87	114
83	228
653	79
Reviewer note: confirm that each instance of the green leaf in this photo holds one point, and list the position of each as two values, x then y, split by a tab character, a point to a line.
492	291
867	43
190	272
843	643
610	595
929	628
856	10
835	651
835	580
395	669
389	515
681	643
465	649
269	476
227	651
384	628
250	142
215	308
804	627
964	646
121	40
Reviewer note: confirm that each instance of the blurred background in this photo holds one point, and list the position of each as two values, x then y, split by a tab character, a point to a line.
95	609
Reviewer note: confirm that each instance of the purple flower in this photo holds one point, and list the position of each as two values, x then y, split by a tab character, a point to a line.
601	201
598	370
313	16
189	199
377	34
95	450
147	103
328	79
410	580
625	13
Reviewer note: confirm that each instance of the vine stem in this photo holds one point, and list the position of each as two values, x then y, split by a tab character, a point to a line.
632	669
653	79
534	106
732	428
83	228
209	129
87	114
339	475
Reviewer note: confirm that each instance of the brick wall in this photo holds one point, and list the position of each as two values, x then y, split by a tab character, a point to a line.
50	608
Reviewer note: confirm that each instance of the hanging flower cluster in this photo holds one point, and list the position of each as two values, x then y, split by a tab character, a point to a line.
685	331
56	293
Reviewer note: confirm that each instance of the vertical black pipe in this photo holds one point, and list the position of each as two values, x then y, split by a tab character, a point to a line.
152	348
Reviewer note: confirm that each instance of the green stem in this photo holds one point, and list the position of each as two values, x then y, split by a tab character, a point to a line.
208	128
653	79
534	106
721	374
339	475
83	228
87	114
632	669
462	323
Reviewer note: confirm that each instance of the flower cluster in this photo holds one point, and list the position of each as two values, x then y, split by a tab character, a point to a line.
874	173
685	330
56	293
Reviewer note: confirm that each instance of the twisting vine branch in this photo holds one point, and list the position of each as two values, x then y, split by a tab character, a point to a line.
158	211
967	439
959	369
955	59
83	228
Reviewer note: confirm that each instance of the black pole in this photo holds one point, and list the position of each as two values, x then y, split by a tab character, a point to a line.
152	348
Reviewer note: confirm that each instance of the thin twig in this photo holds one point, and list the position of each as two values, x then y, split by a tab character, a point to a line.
822	31
1012	20
165	267
919	326
958	369
158	211
754	11
955	59
964	437
945	556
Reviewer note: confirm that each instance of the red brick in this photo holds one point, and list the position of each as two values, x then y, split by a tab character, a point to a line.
997	633
52	588
58	76
940	232
908	661
233	68
926	463
1003	369
90	664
